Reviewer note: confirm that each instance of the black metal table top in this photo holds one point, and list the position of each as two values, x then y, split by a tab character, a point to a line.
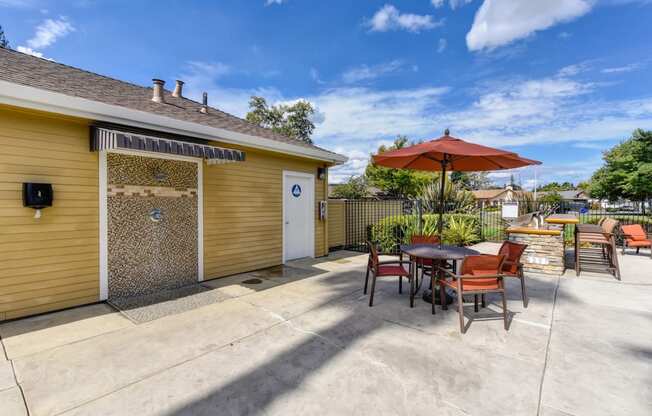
437	252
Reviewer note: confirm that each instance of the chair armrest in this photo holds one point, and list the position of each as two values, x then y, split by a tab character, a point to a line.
393	262
484	276
447	272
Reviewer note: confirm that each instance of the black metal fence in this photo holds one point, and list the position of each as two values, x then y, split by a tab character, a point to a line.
392	222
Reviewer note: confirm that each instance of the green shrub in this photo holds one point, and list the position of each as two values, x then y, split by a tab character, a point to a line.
390	232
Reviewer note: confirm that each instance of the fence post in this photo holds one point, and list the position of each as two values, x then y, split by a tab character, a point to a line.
482	221
420	216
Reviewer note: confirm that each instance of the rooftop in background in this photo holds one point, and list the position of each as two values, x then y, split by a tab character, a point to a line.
31	71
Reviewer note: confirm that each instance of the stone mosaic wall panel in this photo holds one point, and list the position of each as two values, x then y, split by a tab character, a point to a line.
149	171
152	224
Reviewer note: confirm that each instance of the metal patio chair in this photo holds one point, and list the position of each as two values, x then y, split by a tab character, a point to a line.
480	274
386	268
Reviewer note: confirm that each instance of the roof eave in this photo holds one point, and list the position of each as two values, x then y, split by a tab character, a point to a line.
38	99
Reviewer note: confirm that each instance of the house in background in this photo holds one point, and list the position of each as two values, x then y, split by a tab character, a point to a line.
575	195
151	190
497	196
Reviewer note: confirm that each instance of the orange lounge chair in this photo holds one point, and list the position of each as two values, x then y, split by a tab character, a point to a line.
635	236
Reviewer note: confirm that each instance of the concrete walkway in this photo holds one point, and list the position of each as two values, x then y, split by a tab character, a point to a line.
304	341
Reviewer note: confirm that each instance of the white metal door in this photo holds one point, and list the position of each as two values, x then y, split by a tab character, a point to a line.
298	215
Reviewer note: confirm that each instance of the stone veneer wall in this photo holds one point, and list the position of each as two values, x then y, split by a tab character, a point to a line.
144	255
544	254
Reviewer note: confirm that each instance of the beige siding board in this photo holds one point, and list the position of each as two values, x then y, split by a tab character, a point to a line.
52	276
336	223
50	303
243	210
50	263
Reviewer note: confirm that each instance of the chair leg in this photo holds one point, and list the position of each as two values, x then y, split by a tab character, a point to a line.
366	281
637	250
460	310
373	287
614	261
400	284
577	254
523	291
432	291
504	308
475	303
442	297
412	277
483	300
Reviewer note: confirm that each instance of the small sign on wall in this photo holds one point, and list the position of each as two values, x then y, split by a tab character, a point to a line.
510	209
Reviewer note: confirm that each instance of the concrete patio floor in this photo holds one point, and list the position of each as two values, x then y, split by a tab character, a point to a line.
304	341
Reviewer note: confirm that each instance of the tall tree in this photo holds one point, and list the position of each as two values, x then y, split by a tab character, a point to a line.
471	181
291	120
397	183
627	170
4	43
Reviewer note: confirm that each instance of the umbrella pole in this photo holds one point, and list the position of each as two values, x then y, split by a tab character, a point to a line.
441	202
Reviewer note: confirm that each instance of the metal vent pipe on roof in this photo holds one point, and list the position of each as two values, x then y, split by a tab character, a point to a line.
204	105
157	96
178	89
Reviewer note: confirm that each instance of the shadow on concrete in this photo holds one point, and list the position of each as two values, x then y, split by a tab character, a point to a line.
254	391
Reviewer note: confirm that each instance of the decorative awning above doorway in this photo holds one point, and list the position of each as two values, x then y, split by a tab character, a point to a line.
108	139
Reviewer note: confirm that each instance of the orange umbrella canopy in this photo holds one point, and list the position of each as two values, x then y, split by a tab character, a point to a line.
451	154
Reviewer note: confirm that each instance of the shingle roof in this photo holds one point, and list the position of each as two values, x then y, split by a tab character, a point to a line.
20	68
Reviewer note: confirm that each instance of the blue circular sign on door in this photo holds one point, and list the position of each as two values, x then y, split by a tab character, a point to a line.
296	190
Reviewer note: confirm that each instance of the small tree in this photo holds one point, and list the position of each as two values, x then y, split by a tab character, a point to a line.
291	120
354	188
4	43
551	198
397	183
627	170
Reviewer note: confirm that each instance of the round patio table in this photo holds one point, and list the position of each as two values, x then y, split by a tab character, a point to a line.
438	253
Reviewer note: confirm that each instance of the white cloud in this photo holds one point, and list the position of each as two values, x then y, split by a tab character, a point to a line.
272	2
500	22
31	51
556	110
49	31
458	3
15	3
441	45
454	4
390	18
366	72
207	76
621	69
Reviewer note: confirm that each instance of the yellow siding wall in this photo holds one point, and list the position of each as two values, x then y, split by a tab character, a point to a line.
336	223
51	263
243	209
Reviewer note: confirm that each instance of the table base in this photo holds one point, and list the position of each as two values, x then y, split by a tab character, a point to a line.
427	297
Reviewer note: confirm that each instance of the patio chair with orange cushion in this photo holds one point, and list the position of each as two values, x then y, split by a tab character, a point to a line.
512	266
386	268
480	274
635	236
426	265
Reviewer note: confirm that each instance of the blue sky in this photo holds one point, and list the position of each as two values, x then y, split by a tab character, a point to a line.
555	80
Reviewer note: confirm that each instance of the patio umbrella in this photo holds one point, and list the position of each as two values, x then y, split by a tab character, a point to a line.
450	154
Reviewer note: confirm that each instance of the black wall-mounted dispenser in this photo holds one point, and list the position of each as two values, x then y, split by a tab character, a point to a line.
37	196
